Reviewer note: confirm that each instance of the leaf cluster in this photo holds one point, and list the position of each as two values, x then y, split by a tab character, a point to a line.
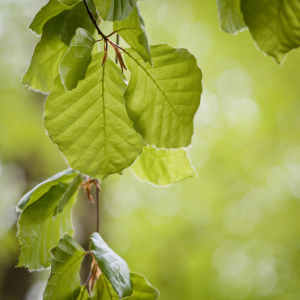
103	122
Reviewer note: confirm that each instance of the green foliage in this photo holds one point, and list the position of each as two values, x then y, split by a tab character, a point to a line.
57	34
114	10
170	91
112	265
163	167
230	16
46	57
76	61
100	123
64	281
132	30
90	123
45	218
274	25
47	12
141	289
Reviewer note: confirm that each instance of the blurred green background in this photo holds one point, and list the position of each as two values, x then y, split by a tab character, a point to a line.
231	233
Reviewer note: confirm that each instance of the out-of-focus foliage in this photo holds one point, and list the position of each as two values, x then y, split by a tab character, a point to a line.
274	25
232	232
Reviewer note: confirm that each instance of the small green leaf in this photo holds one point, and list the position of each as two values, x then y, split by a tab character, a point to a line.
162	100
39	230
64	281
274	25
114	10
76	61
71	190
47	55
141	289
132	30
90	123
112	265
230	16
42	188
162	166
47	12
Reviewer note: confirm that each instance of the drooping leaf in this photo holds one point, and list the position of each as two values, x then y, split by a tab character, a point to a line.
114	10
64	281
162	100
90	123
47	12
43	222
47	55
132	30
76	61
42	188
162	166
274	25
141	289
112	265
230	15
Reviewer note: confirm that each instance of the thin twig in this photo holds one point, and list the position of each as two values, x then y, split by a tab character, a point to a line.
93	20
117	43
98	189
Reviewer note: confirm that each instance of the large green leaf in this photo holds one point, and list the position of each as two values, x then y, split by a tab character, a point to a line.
76	61
42	188
64	281
162	166
43	222
230	16
112	265
47	55
132	30
162	101
47	12
141	289
274	25
90	123
114	10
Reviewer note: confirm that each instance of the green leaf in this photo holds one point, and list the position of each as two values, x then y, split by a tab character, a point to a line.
76	61
230	16
274	25
57	35
64	281
162	101
78	18
112	265
132	30
42	188
90	123
47	55
40	230
114	10
47	12
141	289
69	2
163	167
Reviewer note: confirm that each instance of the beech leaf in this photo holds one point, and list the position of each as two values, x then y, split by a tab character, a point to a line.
163	166
162	100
